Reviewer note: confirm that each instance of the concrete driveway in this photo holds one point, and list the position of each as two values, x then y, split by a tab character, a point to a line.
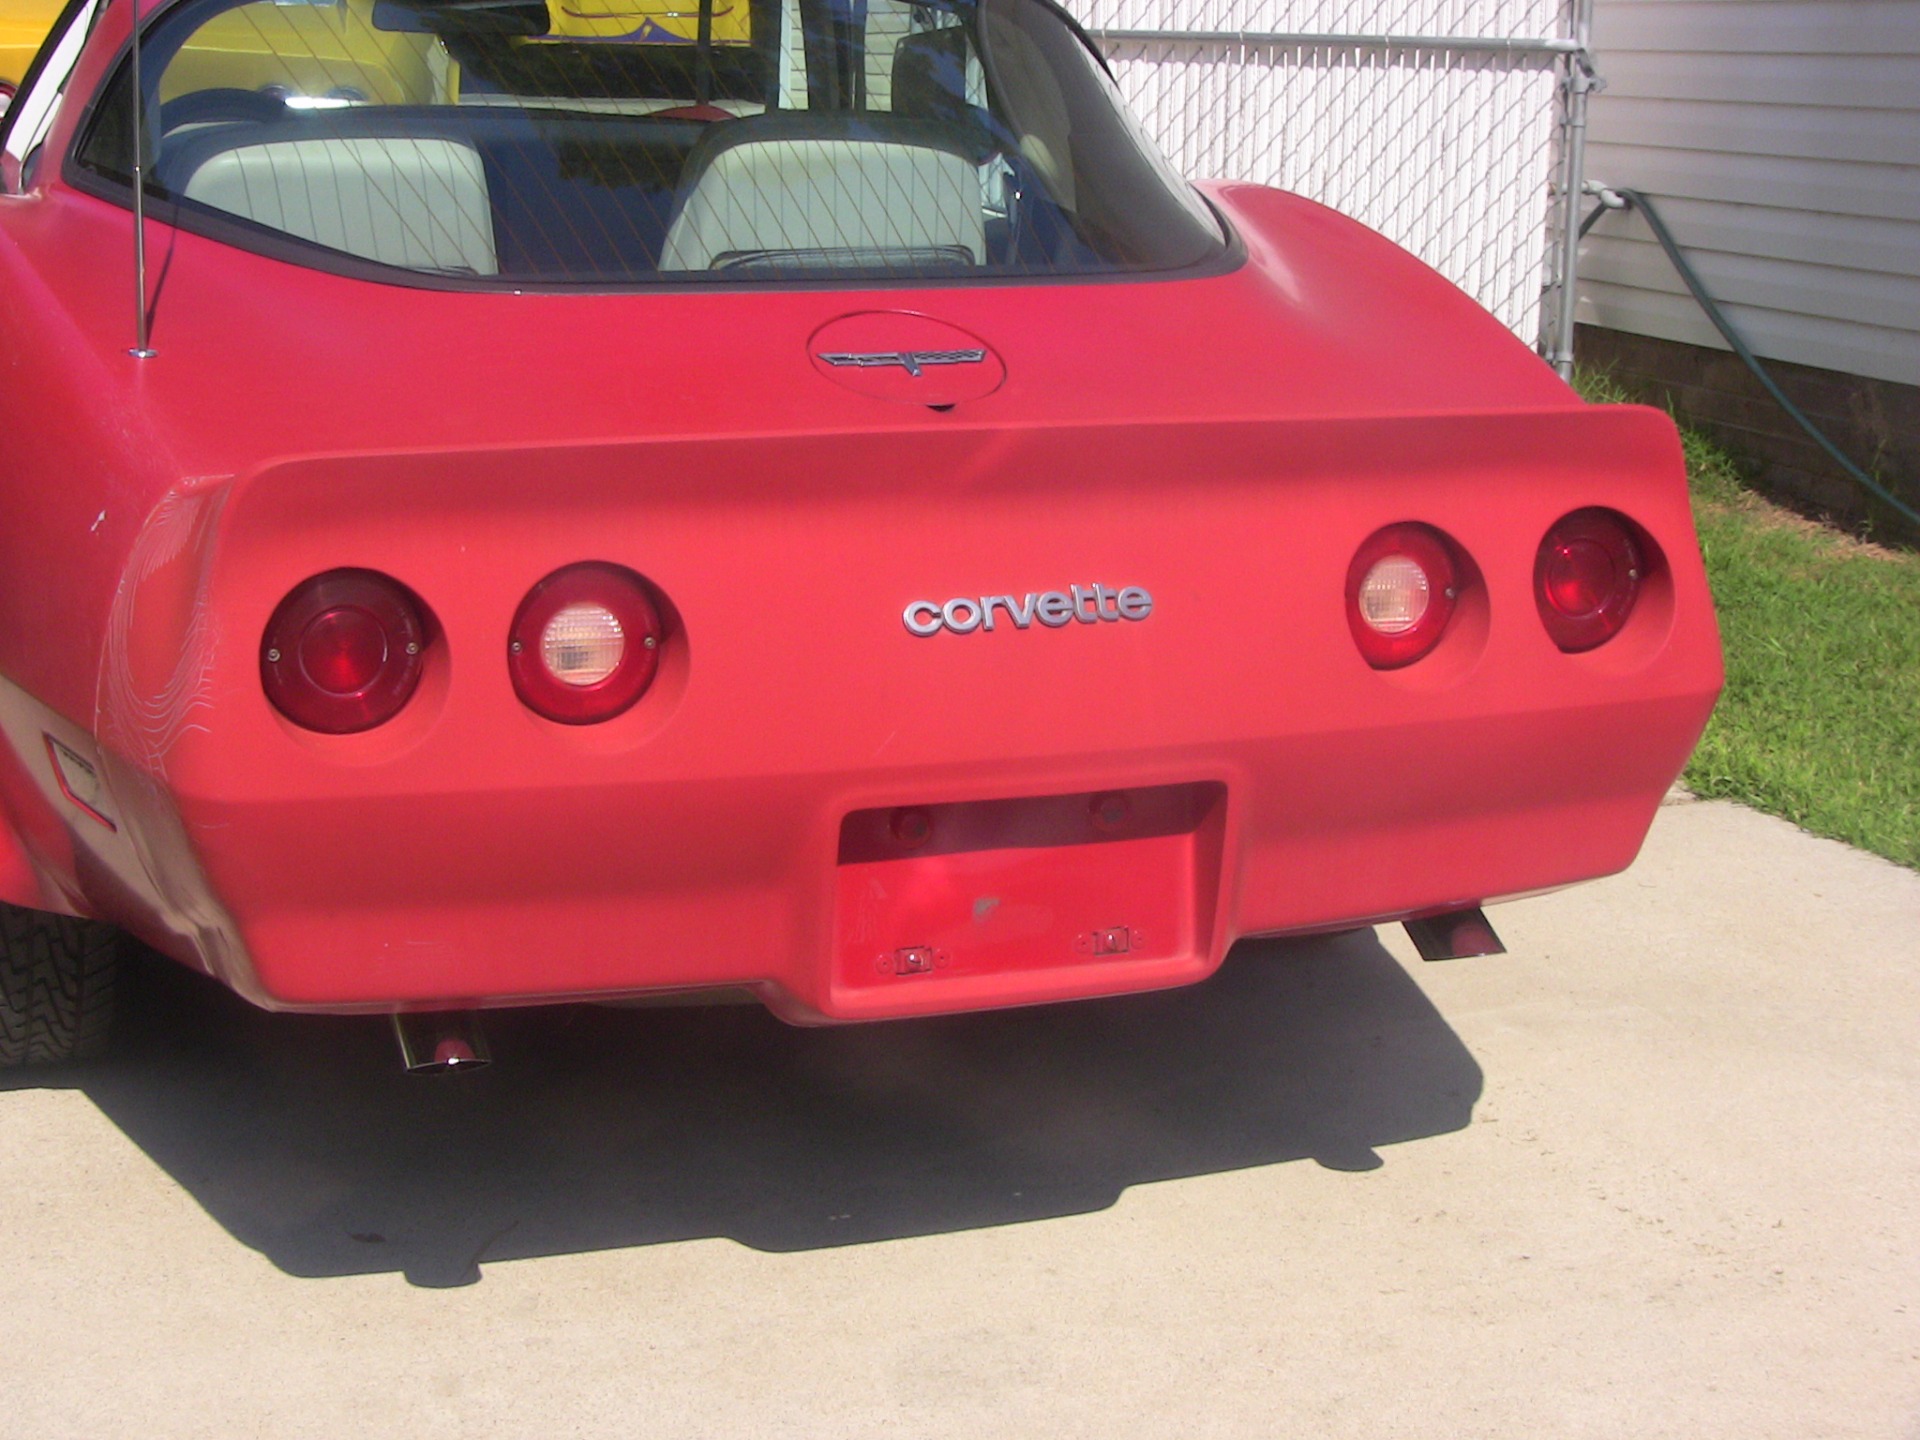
1656	1172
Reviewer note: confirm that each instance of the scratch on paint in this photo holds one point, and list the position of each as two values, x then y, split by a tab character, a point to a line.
891	737
147	719
98	521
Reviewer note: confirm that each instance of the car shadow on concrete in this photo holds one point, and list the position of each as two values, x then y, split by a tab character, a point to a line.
598	1128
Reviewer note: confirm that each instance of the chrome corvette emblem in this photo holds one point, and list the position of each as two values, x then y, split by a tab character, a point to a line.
912	361
1089	604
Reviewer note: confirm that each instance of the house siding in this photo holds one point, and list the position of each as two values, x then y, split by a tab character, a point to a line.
1781	140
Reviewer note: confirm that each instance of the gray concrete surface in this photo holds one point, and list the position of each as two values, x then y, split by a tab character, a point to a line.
1655	1173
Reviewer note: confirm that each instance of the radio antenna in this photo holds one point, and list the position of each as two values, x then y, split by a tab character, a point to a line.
141	349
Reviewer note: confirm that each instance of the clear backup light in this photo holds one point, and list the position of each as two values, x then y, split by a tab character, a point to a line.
1401	589
585	644
1586	578
1394	595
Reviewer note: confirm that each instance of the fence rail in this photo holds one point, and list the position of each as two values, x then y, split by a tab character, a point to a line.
1520	45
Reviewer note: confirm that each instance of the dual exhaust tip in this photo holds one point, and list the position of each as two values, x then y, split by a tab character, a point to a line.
441	1042
1454	935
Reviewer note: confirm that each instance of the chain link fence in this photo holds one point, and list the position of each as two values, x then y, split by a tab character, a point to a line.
1443	124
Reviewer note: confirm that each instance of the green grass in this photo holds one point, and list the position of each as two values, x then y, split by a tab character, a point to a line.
1820	721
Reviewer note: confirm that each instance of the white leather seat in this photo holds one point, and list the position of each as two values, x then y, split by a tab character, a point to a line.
829	203
418	203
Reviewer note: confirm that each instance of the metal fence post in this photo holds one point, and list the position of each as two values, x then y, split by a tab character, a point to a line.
1581	81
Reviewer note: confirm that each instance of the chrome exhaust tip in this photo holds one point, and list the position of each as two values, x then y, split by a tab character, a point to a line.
1454	935
440	1043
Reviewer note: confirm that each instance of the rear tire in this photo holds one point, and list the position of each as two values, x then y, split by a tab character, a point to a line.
57	977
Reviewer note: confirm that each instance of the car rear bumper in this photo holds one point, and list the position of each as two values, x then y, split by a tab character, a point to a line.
803	888
738	825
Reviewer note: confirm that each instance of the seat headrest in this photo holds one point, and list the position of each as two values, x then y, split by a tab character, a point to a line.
831	125
930	76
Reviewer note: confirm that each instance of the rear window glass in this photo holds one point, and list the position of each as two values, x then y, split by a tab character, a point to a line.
617	142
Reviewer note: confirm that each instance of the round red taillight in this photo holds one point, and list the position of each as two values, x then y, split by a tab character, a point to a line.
585	644
343	651
1401	589
1586	578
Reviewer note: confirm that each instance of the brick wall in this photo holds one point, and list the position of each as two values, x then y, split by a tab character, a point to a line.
1875	423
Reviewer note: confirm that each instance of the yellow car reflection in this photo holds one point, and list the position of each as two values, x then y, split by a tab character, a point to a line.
330	48
315	49
23	25
667	24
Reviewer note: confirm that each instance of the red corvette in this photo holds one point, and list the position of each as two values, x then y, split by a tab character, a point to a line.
502	507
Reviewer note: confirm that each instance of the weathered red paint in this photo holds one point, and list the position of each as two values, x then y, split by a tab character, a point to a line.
1225	443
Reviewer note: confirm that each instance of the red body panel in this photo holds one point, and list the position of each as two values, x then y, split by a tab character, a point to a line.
1225	443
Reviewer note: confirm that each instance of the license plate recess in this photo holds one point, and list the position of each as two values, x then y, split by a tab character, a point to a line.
1005	887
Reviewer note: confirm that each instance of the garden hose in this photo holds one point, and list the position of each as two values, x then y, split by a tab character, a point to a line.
1635	200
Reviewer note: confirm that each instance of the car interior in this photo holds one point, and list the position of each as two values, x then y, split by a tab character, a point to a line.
527	141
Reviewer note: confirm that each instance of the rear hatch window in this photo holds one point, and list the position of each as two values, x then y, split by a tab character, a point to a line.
624	142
